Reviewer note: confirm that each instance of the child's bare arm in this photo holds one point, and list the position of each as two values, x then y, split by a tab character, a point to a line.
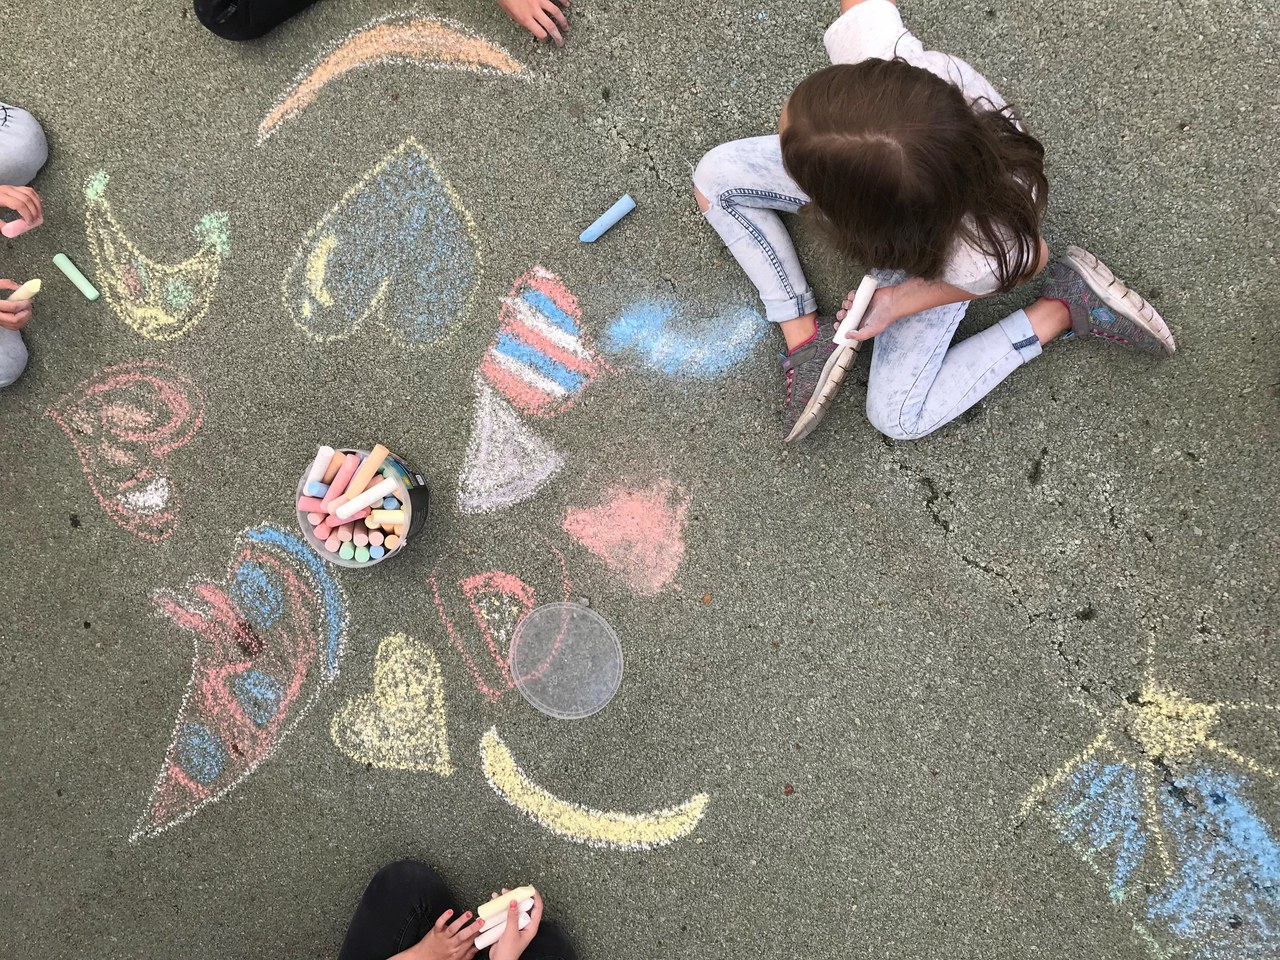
891	304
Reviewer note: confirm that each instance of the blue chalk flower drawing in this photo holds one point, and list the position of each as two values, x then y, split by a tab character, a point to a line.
1159	807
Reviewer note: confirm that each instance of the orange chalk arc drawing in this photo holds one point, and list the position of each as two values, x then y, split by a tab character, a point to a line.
429	42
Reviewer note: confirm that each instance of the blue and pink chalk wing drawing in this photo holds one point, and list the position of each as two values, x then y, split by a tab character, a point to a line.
1187	852
398	249
268	639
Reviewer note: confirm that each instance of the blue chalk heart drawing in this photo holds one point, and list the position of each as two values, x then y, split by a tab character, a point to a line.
650	330
398	248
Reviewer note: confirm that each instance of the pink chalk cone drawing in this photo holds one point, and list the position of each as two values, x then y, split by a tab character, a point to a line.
638	533
537	366
124	423
268	638
495	601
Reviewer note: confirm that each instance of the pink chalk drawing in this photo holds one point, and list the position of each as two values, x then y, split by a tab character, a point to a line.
505	462
539	360
496	601
268	639
637	533
124	422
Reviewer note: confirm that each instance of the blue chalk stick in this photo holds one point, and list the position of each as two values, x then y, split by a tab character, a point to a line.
390	503
377	552
610	217
317	489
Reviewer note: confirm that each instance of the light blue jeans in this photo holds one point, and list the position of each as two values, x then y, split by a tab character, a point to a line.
23	152
919	381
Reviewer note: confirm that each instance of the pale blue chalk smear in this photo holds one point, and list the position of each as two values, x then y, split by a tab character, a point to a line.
707	351
608	219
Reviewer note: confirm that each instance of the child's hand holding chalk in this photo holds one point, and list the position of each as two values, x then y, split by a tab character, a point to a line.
15	311
25	202
515	936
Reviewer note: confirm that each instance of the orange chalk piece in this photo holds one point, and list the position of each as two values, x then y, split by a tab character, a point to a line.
391	542
360	482
335	464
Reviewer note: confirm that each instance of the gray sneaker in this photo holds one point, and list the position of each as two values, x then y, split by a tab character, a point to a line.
1101	305
814	373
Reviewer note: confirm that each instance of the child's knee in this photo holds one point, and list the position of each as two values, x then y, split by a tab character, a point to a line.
23	147
13	357
886	415
709	176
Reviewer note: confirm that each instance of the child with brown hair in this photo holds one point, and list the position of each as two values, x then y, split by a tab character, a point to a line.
913	165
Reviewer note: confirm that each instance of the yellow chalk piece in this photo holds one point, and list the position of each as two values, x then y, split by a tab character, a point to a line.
387	518
317	264
499	903
595	828
402	724
27	291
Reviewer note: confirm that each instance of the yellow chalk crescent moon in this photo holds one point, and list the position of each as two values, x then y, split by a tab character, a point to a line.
423	41
595	828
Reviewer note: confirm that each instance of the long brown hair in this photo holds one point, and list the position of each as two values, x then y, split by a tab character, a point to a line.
899	165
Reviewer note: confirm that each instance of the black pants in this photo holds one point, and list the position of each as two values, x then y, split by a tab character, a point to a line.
403	901
246	19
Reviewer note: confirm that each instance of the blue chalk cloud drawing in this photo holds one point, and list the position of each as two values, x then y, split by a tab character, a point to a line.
1159	807
657	334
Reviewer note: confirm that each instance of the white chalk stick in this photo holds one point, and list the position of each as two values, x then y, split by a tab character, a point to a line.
493	934
853	318
318	465
26	291
499	903
373	495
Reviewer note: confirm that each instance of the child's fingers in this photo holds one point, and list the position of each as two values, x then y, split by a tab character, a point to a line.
547	24
458	924
14	285
443	919
553	10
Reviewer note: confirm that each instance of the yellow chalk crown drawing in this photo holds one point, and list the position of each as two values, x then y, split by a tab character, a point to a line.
161	301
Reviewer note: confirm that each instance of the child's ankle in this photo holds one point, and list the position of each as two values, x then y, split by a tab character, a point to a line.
799	331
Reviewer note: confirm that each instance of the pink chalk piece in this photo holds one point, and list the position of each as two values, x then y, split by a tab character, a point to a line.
315	519
324	530
376	538
332	543
361	537
637	533
346	532
16	228
312	505
350	464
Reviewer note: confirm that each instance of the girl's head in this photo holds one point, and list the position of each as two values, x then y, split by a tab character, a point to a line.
898	166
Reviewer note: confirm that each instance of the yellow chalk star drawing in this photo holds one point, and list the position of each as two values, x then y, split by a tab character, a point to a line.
595	828
161	301
402	724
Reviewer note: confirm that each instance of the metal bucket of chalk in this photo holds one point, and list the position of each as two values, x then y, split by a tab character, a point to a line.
412	496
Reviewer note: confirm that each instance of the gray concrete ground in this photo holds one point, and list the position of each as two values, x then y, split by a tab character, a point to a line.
909	635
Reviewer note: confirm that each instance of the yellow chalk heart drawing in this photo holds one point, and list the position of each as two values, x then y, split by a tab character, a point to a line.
595	828
401	725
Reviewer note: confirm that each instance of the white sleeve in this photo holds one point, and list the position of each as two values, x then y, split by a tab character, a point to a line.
970	269
871	30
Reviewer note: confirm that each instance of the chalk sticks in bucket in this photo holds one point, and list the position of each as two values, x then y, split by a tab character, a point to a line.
360	507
